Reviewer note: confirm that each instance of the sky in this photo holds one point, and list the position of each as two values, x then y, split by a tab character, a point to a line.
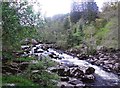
53	7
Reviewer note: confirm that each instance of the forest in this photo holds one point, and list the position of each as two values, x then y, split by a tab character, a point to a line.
34	47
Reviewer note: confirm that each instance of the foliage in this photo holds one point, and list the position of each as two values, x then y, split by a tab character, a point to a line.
87	10
13	30
43	64
9	35
100	23
43	76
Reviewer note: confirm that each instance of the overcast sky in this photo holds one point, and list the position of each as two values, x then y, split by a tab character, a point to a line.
53	7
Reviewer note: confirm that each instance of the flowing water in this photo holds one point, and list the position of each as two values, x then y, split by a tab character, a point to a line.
103	78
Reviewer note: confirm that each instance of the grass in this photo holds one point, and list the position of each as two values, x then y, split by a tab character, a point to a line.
18	81
26	59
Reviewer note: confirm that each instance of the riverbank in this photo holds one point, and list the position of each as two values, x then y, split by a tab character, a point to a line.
28	72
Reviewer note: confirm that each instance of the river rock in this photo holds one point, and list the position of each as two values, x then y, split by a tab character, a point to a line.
116	67
64	85
106	68
61	72
83	57
9	85
75	82
67	72
64	78
52	55
33	41
45	47
79	86
88	78
98	63
35	71
23	65
10	70
78	73
53	69
14	65
89	70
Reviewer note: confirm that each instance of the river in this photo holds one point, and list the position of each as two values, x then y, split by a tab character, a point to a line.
103	78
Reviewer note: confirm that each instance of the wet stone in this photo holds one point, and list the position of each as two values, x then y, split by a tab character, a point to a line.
64	78
88	78
53	69
61	72
35	71
67	72
79	86
75	82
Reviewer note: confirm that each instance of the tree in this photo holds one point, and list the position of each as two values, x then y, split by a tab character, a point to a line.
87	10
27	16
10	25
13	30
